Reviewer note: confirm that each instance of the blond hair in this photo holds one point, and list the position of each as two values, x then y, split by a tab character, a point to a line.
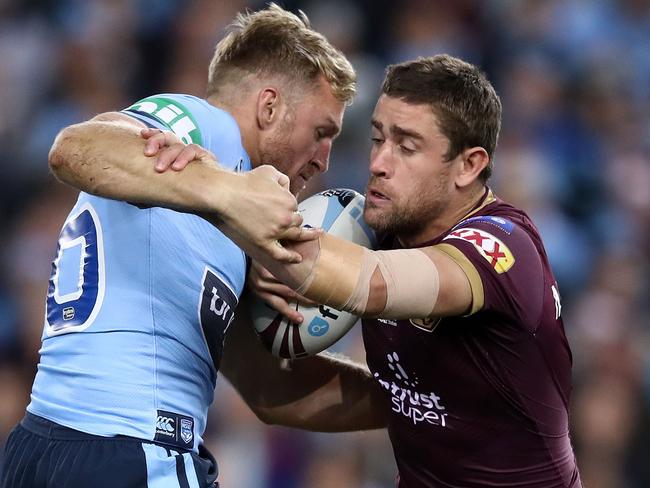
275	42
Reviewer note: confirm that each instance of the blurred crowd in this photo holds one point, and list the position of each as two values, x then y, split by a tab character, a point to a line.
574	77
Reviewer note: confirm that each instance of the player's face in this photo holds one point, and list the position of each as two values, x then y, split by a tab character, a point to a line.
301	143
410	183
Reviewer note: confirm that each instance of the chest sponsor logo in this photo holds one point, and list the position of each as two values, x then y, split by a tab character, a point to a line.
406	398
217	305
174	428
488	246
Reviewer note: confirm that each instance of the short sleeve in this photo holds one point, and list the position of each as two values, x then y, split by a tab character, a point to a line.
168	113
502	264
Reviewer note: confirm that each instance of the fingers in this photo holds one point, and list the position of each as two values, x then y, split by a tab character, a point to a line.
303	300
149	132
303	234
155	140
260	280
275	175
296	219
172	152
176	157
280	253
189	153
277	295
283	180
167	157
282	306
274	287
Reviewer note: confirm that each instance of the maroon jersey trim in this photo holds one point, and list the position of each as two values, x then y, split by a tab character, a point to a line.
487	200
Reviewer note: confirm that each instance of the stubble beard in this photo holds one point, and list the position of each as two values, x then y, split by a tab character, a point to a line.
411	216
277	152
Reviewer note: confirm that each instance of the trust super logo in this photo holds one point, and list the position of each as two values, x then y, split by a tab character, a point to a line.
408	399
488	246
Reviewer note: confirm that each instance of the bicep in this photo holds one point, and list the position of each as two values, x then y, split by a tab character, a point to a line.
403	286
455	295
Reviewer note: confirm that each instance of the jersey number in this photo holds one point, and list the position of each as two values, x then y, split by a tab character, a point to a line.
76	289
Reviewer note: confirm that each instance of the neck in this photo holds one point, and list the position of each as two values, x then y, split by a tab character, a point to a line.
235	106
456	209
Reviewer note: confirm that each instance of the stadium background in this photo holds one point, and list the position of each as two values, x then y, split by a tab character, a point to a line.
574	76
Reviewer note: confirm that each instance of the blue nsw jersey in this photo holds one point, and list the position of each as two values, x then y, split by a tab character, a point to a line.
139	302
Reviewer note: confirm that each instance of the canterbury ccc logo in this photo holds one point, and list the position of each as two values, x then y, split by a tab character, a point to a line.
488	246
165	423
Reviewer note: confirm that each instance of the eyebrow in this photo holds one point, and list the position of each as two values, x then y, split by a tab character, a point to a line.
331	127
396	130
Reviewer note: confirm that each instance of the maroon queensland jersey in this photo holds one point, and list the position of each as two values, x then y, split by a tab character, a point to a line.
482	400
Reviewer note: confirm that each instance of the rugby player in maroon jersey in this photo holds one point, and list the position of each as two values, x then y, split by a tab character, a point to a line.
468	349
469	366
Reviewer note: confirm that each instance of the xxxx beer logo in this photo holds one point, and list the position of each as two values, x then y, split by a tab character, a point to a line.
491	248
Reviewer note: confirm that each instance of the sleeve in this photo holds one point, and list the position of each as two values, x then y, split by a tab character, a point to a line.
194	121
168	112
502	264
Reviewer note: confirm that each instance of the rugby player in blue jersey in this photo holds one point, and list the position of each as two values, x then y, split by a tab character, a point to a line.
140	297
462	316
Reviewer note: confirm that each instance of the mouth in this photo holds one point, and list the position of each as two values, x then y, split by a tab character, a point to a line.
299	183
376	197
302	180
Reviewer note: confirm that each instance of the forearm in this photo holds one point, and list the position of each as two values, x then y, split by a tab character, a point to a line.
329	274
321	393
106	158
336	395
396	284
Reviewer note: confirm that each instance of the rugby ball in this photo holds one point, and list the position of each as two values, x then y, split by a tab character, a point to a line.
340	213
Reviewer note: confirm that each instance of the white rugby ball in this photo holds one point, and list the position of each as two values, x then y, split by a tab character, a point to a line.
340	213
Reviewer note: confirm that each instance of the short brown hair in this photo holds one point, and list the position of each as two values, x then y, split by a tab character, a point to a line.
465	103
277	42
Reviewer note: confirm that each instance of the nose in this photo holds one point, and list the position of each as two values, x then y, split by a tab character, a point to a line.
321	159
380	161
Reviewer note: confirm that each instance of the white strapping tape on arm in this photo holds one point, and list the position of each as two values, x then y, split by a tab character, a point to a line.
342	274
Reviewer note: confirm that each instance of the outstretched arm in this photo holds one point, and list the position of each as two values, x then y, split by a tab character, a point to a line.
322	393
106	156
398	284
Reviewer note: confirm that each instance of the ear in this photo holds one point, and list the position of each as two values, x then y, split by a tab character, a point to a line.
268	106
472	162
